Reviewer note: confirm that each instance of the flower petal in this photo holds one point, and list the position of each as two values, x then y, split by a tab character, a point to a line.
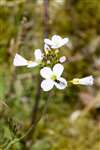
46	48
64	41
19	61
38	55
56	38
47	85
58	69
47	41
86	81
61	84
32	64
46	72
55	46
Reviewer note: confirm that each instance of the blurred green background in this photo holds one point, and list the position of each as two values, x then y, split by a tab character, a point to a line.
72	119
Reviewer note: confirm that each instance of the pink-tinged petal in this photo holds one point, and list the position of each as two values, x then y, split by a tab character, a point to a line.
47	85
86	81
46	72
55	46
61	83
56	38
46	48
47	41
64	41
58	70
38	54
19	61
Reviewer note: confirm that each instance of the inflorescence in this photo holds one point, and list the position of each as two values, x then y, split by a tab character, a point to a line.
50	62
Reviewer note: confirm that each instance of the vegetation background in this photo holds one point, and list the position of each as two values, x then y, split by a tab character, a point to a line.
23	26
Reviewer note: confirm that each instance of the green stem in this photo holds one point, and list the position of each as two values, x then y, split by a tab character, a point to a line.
30	129
11	143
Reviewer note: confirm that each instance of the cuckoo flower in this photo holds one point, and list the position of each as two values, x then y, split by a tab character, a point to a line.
21	61
56	41
83	81
53	77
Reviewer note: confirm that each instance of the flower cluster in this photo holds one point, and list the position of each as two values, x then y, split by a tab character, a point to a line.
51	65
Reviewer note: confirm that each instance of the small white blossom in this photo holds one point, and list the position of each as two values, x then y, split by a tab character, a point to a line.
84	81
46	48
53	77
56	41
62	59
21	61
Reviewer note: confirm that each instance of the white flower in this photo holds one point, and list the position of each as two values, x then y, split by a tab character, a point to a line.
62	59
53	77
56	41
84	81
21	61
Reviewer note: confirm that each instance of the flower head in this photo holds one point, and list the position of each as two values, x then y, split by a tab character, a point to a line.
83	81
53	77
21	61
56	41
62	59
